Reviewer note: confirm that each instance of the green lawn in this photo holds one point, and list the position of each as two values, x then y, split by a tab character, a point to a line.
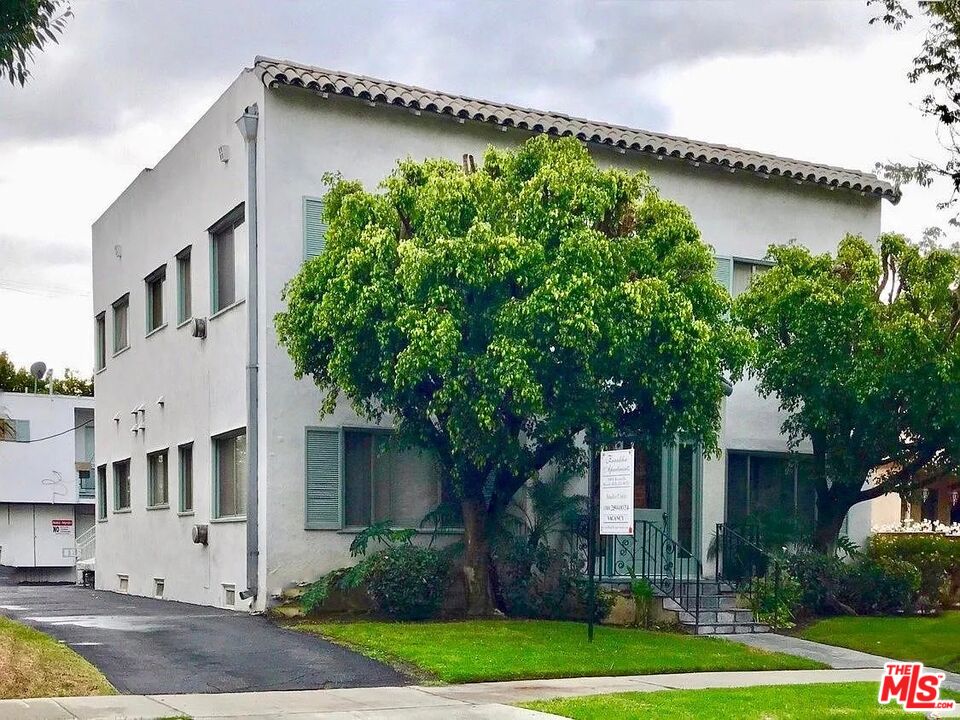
778	702
35	665
934	641
480	650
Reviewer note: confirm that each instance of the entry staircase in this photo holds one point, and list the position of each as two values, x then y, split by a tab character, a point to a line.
86	551
704	606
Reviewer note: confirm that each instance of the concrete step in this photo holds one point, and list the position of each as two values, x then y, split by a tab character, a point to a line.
723	617
707	602
294	592
726	629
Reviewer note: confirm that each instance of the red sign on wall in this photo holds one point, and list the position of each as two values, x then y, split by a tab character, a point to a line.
62	526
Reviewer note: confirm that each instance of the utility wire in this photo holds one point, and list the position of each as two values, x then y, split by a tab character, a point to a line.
55	434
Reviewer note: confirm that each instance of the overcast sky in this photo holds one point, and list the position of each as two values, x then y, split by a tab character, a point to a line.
810	80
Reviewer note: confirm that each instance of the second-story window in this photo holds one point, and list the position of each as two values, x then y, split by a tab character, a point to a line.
223	260
184	289
120	312
102	492
121	485
100	339
154	286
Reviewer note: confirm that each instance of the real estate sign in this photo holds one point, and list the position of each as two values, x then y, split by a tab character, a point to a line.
616	492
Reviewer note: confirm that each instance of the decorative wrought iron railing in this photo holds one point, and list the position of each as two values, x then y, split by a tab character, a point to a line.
651	554
751	571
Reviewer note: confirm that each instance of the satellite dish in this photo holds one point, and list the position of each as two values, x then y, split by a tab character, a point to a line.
38	370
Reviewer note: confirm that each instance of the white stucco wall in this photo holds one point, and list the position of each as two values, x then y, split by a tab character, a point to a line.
301	137
201	381
739	214
40	508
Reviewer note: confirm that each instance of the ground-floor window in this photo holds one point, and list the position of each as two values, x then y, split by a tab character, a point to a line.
385	484
102	492
230	474
186	477
772	492
121	485
158	493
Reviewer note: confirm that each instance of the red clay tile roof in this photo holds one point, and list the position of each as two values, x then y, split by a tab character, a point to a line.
276	73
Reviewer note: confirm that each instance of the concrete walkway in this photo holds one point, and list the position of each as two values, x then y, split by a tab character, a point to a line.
449	702
835	657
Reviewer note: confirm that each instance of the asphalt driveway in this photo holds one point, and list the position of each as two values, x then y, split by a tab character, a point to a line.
147	646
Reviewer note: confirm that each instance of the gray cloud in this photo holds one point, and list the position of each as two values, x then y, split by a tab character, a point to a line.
122	61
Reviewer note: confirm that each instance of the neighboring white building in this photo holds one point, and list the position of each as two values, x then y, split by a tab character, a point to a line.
173	248
46	483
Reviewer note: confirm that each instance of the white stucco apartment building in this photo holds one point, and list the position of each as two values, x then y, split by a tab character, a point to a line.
46	483
170	392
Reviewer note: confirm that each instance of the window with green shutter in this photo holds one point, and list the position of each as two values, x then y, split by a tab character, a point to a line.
723	272
323	472
314	228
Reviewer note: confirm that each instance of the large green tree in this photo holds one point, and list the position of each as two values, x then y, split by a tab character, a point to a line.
862	350
500	315
26	26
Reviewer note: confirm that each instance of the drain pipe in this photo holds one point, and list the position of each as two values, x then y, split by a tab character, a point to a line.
247	124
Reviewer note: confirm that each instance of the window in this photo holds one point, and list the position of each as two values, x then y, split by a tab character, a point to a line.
314	227
85	487
382	483
154	284
184	289
230	474
186	478
102	492
121	485
770	491
223	268
14	430
100	339
743	273
120	308
157	487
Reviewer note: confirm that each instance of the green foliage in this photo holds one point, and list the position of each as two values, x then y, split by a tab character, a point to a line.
775	597
937	65
407	582
383	533
19	379
821	578
882	586
642	591
861	348
498	314
937	558
25	27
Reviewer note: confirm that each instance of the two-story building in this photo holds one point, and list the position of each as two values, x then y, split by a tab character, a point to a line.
170	272
46	483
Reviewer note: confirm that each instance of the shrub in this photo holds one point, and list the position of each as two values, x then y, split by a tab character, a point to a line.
407	582
776	597
538	581
882	585
936	556
821	580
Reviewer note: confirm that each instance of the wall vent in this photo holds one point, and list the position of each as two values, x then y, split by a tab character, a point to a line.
158	588
123	583
230	595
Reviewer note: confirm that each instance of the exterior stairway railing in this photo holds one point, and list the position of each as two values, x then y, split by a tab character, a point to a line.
653	555
86	544
742	563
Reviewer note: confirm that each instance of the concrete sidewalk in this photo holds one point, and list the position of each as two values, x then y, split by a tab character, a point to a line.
449	702
832	655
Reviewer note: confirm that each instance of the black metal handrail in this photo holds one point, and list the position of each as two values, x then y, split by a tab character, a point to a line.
653	555
742	562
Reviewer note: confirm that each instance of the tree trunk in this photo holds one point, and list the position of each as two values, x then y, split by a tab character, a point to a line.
832	508
476	560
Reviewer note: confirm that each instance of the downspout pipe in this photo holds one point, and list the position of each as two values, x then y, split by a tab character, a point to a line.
247	124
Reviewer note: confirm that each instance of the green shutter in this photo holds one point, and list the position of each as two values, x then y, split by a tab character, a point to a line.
22	430
322	466
314	228
723	273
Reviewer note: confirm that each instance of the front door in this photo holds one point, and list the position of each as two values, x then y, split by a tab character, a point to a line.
666	497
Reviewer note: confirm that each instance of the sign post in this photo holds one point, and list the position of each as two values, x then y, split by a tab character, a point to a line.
614	486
